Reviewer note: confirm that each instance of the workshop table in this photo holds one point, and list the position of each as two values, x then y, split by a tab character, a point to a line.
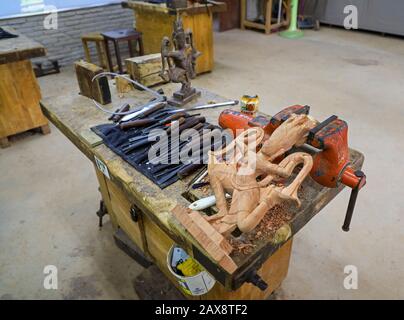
19	91
143	211
156	21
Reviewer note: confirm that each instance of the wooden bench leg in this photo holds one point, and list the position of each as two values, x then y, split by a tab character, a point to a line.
45	129
4	143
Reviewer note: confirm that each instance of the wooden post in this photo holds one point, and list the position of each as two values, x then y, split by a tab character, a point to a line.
243	13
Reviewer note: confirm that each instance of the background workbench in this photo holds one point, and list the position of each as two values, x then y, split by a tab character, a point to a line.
156	21
155	229
19	91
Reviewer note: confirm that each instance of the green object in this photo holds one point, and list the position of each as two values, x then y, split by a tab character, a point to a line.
293	32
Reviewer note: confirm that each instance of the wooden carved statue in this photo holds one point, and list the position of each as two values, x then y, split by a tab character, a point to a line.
250	176
223	173
180	59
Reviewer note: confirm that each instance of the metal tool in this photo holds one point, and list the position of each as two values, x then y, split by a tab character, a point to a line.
144	111
208	106
116	117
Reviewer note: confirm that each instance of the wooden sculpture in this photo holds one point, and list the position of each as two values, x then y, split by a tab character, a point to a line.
249	175
178	64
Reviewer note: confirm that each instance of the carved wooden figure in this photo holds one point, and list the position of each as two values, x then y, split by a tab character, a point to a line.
235	170
181	62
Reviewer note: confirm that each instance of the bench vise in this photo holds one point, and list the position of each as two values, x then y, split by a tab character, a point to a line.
331	163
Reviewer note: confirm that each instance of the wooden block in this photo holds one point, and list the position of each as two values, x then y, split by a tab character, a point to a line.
211	231
205	239
145	69
123	85
97	90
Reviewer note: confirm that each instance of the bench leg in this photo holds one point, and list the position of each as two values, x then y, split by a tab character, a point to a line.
4	143
45	129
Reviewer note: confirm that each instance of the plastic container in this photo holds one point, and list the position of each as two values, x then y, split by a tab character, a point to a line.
196	285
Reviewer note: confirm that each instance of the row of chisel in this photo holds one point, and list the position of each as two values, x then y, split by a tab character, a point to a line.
139	141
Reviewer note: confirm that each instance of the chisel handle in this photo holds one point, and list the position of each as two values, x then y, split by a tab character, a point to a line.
117	117
137	123
157	107
191	122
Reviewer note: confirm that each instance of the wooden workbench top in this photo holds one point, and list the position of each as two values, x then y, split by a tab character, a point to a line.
195	9
74	115
20	48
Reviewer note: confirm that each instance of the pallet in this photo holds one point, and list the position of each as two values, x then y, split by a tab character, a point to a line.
5	141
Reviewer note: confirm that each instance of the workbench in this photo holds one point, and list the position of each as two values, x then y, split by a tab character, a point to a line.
156	21
19	91
143	211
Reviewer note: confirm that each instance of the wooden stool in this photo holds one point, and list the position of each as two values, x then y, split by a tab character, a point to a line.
270	24
116	36
100	46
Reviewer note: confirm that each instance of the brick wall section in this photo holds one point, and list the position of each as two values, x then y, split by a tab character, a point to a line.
64	44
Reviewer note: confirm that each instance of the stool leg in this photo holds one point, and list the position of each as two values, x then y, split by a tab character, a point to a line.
99	54
110	65
268	17
141	49
118	56
130	49
86	50
243	10
104	56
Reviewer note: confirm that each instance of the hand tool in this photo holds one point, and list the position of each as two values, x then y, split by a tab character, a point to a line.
184	169
204	203
331	165
137	123
116	117
200	185
173	117
145	139
208	106
202	174
165	154
144	111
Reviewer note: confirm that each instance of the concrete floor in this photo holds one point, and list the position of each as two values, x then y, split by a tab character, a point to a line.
48	190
